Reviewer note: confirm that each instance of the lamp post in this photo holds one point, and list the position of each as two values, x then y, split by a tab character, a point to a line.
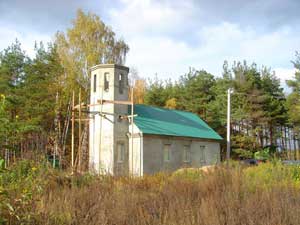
229	92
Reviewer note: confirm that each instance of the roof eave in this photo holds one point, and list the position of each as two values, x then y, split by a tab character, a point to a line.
184	137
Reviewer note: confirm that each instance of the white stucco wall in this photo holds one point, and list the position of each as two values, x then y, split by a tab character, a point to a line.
107	130
135	162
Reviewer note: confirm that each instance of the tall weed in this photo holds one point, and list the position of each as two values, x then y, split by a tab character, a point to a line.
228	194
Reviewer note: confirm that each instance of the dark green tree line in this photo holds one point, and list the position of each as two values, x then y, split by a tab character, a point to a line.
261	114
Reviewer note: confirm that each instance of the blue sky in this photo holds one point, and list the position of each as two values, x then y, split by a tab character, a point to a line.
167	37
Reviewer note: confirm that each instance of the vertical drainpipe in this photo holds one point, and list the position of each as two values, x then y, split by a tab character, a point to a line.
141	154
93	108
94	142
100	130
92	136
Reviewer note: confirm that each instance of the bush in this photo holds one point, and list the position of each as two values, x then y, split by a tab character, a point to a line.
20	187
272	174
2	164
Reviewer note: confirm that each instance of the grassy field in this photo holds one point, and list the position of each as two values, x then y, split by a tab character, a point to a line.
265	194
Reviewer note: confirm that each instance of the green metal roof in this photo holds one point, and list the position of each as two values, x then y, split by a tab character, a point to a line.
161	121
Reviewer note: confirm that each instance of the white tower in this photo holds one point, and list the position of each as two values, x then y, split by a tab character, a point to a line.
108	141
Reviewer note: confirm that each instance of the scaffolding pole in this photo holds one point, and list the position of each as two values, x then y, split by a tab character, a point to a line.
132	130
76	160
100	138
79	131
73	125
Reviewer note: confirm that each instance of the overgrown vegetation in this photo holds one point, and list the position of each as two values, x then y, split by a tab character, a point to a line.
33	193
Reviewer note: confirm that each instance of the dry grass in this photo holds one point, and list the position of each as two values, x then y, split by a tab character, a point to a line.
218	197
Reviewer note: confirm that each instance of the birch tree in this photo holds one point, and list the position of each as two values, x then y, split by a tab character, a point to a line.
87	43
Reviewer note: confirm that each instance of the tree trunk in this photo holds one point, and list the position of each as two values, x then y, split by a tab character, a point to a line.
294	141
271	134
261	136
298	141
289	141
282	138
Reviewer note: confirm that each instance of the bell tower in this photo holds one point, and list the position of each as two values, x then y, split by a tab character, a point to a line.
108	141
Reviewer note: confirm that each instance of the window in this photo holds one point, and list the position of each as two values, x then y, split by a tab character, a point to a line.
95	82
202	155
120	152
186	153
106	81
121	83
167	152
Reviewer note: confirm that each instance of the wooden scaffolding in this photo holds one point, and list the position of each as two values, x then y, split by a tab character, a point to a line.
82	108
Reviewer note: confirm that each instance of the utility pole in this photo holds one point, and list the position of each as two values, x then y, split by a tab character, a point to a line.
229	92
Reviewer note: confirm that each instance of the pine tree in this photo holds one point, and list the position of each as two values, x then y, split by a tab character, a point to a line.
196	92
293	100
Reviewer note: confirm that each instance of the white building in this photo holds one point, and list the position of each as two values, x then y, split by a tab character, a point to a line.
163	139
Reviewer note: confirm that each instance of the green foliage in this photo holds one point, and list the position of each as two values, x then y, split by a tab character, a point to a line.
293	100
157	94
41	85
243	146
190	174
241	153
196	92
4	120
2	164
20	187
28	89
263	154
258	104
268	175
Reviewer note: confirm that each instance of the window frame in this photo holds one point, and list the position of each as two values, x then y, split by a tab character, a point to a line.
106	81
186	153
167	151
120	152
121	83
95	83
202	154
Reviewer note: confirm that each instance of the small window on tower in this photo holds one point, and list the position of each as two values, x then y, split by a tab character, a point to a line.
120	152
106	81
121	83
95	82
